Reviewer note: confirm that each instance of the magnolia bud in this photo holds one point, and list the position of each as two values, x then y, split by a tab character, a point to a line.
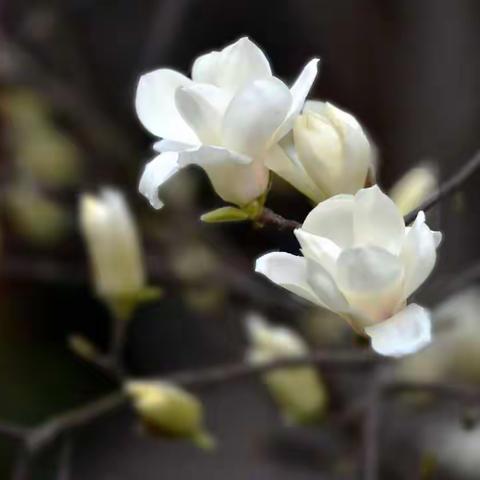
298	391
332	148
413	188
167	410
113	244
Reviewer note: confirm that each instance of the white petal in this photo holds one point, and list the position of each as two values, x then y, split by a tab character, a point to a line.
437	238
236	178
205	68
320	249
287	271
170	146
325	287
406	332
418	254
285	163
332	219
299	92
377	220
371	279
254	114
358	154
155	105
155	174
202	106
237	65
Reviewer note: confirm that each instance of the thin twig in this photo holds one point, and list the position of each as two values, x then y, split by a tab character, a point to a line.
447	188
268	217
231	372
44	434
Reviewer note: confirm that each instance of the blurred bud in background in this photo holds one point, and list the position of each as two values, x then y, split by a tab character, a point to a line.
40	150
167	410
34	216
455	353
330	154
298	391
414	187
195	264
113	244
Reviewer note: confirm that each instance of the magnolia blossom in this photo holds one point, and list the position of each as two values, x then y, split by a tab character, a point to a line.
362	262
327	154
225	119
113	244
298	391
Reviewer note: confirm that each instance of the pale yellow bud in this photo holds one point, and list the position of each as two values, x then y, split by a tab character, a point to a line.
333	149
413	188
168	410
298	391
113	244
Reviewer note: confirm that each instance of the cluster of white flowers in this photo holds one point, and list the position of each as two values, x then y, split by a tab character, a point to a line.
239	122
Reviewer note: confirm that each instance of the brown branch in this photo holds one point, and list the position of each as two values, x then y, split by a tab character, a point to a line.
268	217
38	437
447	188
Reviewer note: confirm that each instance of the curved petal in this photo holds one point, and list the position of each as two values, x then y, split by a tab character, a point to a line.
325	287
332	219
254	114
371	279
233	67
170	146
285	163
377	220
418	254
236	178
155	105
299	92
287	271
406	332
202	107
205	68
320	249
155	174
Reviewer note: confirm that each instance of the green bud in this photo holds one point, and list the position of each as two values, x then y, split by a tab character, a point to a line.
167	410
225	214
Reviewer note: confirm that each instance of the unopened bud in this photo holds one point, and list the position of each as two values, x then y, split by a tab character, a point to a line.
170	411
298	391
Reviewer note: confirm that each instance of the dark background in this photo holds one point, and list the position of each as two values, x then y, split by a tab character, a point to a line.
409	70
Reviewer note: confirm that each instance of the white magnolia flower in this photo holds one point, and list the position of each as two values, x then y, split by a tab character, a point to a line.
298	391
360	261
328	153
113	244
224	119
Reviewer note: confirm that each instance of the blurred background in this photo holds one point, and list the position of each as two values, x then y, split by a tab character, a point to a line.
409	71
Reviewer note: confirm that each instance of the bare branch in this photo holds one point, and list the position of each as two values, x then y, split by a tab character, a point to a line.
447	188
268	217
